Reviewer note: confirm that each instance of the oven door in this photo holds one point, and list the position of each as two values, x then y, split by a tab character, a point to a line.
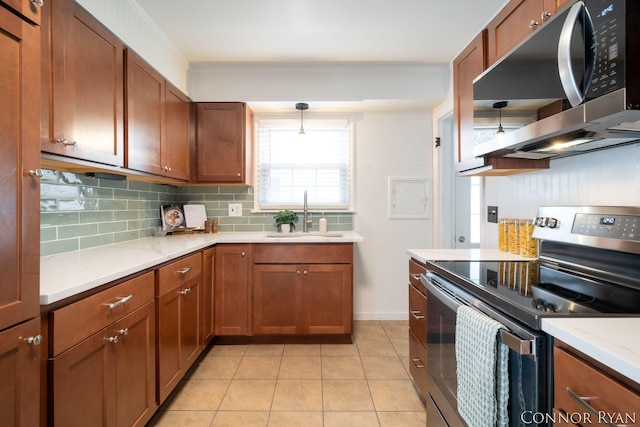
528	357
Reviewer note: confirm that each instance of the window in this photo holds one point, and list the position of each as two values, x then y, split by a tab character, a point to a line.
319	162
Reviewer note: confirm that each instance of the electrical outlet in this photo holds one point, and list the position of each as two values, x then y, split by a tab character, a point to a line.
492	214
235	209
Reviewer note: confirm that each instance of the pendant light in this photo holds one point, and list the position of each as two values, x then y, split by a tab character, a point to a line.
500	105
301	106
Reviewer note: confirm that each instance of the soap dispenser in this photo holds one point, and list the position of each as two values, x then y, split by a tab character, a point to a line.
322	224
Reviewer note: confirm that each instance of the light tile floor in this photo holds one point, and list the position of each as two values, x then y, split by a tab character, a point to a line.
361	384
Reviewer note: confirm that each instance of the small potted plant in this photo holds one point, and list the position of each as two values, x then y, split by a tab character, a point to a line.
285	220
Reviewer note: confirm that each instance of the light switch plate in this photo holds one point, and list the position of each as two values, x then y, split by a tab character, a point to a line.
492	214
235	209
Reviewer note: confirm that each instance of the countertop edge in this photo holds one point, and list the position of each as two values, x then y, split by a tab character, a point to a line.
606	340
71	273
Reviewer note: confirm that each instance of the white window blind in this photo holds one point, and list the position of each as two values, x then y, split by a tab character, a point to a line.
318	161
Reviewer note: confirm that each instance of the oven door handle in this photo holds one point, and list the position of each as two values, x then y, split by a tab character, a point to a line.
524	347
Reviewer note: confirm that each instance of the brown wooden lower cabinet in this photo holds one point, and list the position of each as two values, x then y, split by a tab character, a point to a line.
179	321
417	327
302	299
585	395
232	289
20	373
302	289
208	295
109	378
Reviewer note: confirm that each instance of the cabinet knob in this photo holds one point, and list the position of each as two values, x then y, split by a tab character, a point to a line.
533	24
238	174
298	272
36	172
184	291
34	340
545	15
113	340
242	253
38	2
305	272
124	331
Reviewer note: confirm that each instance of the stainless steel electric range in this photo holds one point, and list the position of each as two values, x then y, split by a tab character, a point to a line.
589	265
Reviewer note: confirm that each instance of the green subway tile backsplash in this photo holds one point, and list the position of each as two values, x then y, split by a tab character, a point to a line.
80	212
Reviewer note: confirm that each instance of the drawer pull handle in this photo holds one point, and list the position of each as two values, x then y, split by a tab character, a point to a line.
124	331
417	315
415	277
583	401
417	363
112	339
121	300
184	291
184	270
33	340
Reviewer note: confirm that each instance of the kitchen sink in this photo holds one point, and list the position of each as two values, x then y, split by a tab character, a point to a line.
305	235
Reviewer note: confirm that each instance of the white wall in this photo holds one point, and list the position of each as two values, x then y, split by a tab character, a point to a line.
607	177
387	144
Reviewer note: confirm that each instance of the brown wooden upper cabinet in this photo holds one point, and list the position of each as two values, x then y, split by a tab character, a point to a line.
515	22
468	65
82	79
19	200
223	143
158	118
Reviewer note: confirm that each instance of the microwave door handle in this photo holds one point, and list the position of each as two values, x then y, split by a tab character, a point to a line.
565	68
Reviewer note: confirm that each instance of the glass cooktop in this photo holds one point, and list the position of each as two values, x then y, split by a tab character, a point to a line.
541	291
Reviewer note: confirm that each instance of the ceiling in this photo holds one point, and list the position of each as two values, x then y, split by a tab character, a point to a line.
313	31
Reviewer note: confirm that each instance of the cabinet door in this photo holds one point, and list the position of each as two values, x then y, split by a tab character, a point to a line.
178	332
277	299
232	289
327	299
466	67
19	152
190	320
19	370
136	367
174	150
208	295
223	142
511	25
168	343
145	97
84	382
83	79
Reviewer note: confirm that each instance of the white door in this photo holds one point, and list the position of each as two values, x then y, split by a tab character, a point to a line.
459	199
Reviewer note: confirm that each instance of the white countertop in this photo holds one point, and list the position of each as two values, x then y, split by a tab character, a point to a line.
424	255
70	273
611	341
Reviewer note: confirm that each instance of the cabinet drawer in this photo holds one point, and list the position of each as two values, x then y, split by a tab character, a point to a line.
75	322
418	314
179	273
415	270
301	253
573	378
418	364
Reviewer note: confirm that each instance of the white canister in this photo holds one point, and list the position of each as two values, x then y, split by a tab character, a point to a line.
322	225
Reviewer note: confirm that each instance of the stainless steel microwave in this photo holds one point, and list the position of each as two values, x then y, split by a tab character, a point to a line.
572	86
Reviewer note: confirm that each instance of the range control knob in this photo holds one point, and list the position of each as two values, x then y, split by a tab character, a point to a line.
542	221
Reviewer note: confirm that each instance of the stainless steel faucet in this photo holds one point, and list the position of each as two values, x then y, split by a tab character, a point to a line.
306	220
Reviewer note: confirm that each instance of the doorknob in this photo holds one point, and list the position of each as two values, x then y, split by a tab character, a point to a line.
461	239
